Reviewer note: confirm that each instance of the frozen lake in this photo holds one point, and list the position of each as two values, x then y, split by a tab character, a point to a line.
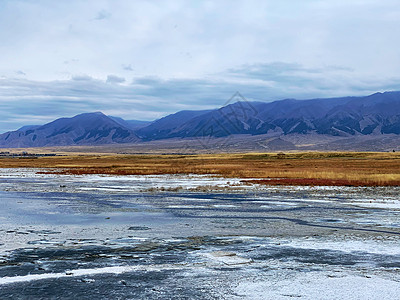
194	237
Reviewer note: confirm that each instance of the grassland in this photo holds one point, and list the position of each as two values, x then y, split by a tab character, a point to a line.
305	168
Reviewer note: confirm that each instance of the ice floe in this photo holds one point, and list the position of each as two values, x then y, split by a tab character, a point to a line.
314	285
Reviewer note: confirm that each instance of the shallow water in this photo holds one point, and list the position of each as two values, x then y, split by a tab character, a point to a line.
201	238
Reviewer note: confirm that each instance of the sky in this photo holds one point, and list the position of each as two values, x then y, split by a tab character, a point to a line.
145	59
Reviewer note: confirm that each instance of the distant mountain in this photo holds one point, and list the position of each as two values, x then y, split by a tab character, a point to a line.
167	126
84	129
346	117
132	124
375	114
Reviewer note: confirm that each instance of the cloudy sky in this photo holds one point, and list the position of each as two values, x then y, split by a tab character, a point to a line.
145	59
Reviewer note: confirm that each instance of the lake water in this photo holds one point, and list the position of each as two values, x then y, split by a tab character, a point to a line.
194	237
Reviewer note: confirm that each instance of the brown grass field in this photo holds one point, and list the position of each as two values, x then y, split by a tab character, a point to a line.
304	168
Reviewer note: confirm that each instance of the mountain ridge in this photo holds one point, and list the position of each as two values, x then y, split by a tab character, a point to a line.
83	129
376	114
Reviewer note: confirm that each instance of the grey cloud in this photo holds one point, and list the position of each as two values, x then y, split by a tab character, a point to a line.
127	67
280	70
82	78
74	60
103	14
153	97
114	79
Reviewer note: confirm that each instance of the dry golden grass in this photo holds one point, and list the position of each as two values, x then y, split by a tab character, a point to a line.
346	168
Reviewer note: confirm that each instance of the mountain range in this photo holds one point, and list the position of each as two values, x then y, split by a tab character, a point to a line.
374	115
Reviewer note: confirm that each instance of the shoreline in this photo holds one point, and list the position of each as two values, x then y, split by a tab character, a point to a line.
298	169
